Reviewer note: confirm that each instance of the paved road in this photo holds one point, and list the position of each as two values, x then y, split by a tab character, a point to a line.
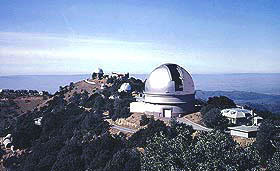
123	129
188	122
180	120
194	125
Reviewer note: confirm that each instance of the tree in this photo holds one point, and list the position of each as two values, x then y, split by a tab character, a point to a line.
199	103
139	139
181	130
123	160
110	80
94	75
163	153
206	109
94	121
99	104
214	119
121	108
266	132
136	84
221	102
274	162
217	151
25	132
69	159
79	98
99	151
91	100
144	120
208	151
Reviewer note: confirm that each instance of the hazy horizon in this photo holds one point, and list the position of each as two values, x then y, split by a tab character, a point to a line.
259	83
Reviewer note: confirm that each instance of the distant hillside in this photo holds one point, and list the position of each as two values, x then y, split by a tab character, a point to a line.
256	100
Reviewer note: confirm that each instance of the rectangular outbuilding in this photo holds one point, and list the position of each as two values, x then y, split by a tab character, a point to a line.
244	131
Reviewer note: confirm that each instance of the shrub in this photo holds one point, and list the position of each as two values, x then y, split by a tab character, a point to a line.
144	120
274	162
221	102
214	119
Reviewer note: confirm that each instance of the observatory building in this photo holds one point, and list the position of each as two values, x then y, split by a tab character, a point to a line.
125	87
169	92
98	74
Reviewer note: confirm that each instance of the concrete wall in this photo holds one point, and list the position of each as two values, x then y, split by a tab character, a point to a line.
243	134
157	109
239	134
137	107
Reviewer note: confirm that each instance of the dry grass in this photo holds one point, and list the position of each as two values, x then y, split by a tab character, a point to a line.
23	104
117	132
80	87
132	122
28	103
195	117
244	142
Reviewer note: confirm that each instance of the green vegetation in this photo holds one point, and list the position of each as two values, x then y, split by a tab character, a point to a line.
74	135
211	112
208	151
214	119
274	162
221	102
266	142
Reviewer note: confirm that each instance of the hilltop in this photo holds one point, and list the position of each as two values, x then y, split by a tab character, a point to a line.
73	131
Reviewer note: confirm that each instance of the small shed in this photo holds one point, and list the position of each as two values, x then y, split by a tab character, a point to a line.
244	131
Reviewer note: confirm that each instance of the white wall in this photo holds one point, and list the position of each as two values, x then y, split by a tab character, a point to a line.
137	107
238	133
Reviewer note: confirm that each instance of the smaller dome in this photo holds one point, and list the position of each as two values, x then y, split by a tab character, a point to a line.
98	71
125	87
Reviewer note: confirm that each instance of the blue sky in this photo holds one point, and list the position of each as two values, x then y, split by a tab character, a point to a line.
71	37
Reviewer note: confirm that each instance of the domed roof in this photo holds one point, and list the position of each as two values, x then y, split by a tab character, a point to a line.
125	87
98	71
169	79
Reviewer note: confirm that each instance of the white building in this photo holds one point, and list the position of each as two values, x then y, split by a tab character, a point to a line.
244	131
38	121
120	75
98	73
125	87
241	116
257	120
169	92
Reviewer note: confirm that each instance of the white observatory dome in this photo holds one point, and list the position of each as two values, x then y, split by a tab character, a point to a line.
169	79
98	71
169	92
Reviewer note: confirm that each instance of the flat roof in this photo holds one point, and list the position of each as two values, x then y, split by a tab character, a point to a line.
238	110
244	128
